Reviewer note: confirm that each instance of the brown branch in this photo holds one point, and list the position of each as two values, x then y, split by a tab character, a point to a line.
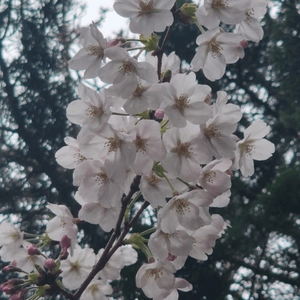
108	252
159	53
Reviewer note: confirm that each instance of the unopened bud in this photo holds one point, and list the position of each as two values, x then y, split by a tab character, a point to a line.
50	264
116	43
159	113
65	242
33	250
19	295
64	254
11	268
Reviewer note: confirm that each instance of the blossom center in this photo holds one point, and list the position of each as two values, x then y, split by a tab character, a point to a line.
182	102
183	149
182	206
156	273
217	4
214	47
126	68
101	177
145	7
212	131
247	147
113	144
209	176
93	111
140	144
75	267
78	158
249	15
94	289
95	50
139	91
152	179
15	236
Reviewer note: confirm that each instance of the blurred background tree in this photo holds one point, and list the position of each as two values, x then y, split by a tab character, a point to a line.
258	256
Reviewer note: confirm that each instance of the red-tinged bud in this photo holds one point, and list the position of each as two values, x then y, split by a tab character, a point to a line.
19	295
116	43
50	264
151	260
11	268
171	257
244	43
159	113
11	286
6	288
64	254
33	250
65	242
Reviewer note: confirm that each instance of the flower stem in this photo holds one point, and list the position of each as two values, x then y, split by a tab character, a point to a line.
200	27
150	230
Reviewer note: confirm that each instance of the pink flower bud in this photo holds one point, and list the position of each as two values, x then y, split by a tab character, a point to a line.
65	242
50	264
19	295
116	42
11	268
159	113
32	250
171	257
244	43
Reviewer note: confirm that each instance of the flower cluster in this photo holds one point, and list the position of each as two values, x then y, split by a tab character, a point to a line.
155	133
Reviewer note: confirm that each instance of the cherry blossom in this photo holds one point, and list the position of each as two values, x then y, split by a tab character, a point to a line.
204	239
97	290
214	177
155	278
228	11
253	147
162	244
149	146
93	110
189	210
10	235
98	182
217	139
185	101
250	28
62	224
146	16
181	285
90	57
123	72
216	49
77	267
69	156
184	153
